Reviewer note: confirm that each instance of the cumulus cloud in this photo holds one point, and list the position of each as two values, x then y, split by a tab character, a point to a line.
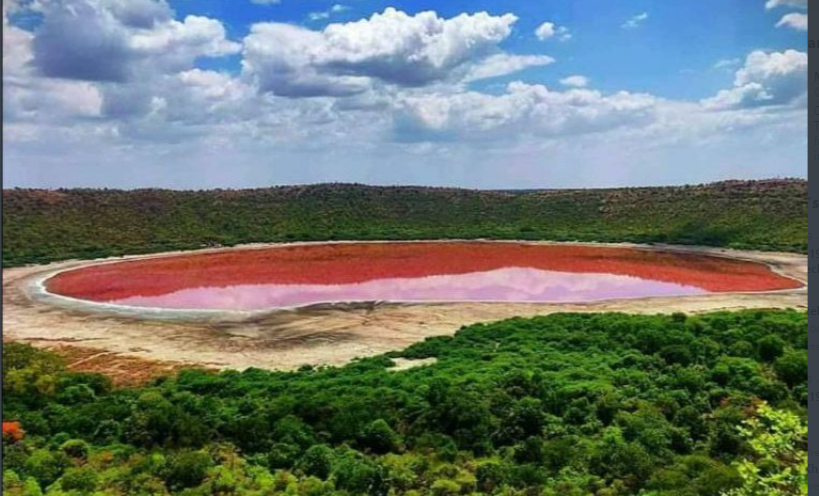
81	42
278	58
523	110
124	70
502	64
140	13
16	46
391	47
97	40
101	82
117	69
28	98
636	21
188	99
795	21
548	30
772	4
575	81
766	79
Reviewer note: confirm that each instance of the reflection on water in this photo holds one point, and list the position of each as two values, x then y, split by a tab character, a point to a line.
431	272
513	284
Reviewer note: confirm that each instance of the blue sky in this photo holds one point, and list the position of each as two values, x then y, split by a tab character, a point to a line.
242	93
672	54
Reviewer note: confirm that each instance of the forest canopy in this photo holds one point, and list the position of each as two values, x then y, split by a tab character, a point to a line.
567	404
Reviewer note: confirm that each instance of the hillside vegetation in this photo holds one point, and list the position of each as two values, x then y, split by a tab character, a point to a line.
568	405
46	225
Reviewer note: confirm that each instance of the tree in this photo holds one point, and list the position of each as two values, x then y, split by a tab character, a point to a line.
771	347
29	372
317	461
676	354
792	367
530	451
525	419
379	437
445	487
82	479
46	466
187	469
75	448
778	464
13	431
355	473
13	485
490	475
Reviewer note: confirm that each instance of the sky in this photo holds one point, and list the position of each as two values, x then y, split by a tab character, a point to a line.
192	94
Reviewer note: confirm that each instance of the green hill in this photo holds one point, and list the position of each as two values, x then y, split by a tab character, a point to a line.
45	225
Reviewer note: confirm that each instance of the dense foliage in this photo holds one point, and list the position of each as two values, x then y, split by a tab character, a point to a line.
568	404
42	226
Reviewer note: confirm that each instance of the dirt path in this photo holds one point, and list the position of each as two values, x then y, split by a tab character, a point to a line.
327	335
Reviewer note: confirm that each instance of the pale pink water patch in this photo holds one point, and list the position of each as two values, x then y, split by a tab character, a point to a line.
512	284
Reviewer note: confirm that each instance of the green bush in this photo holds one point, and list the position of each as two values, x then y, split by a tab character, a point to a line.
378	437
187	469
82	479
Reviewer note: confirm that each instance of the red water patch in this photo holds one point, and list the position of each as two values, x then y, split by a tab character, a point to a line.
382	266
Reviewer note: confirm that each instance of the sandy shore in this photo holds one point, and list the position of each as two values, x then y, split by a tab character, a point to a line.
318	335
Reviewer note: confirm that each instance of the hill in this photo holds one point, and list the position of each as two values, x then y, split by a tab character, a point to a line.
46	225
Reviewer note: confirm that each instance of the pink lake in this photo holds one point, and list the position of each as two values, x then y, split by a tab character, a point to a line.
502	285
292	276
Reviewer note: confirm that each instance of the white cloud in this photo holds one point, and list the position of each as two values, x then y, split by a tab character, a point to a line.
140	13
29	98
771	4
326	14
523	110
214	86
282	59
103	98
795	21
390	89
563	33
319	16
766	79
502	64
392	47
16	46
549	29
636	21
99	40
575	81
176	45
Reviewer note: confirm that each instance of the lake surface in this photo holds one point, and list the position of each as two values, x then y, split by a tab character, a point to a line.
291	276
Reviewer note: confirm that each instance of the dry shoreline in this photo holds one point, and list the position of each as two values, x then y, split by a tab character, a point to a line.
317	335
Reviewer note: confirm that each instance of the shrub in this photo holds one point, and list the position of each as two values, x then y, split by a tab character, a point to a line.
379	437
82	479
187	469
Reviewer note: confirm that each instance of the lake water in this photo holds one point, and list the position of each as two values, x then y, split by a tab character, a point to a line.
291	276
